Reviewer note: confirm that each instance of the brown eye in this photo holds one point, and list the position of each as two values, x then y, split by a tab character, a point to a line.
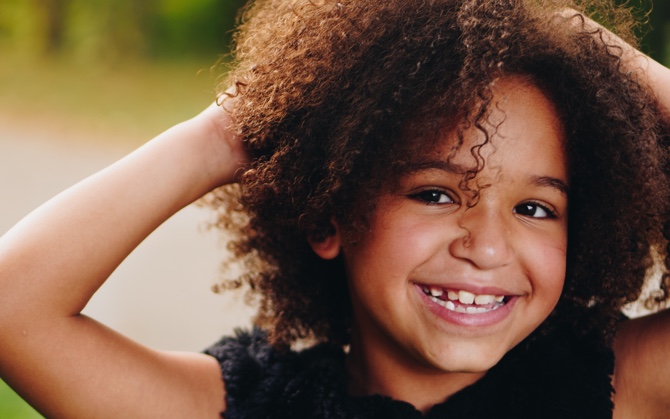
433	196
534	210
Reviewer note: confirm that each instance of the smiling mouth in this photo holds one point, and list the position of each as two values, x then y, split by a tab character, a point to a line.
462	301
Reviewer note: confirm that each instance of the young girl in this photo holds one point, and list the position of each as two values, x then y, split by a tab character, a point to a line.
452	200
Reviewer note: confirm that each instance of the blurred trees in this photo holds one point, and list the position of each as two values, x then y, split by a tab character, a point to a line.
110	30
653	17
50	15
657	39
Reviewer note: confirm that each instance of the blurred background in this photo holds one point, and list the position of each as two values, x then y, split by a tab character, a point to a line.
84	82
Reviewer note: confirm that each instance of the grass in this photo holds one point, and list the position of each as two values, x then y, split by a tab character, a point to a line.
13	407
135	100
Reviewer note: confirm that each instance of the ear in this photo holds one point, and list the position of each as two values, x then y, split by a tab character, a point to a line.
329	247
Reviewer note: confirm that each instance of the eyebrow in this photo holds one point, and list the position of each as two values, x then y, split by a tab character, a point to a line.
551	182
443	165
544	181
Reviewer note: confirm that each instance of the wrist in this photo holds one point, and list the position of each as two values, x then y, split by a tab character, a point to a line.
225	156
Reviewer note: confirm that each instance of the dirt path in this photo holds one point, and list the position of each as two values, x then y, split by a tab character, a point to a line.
160	295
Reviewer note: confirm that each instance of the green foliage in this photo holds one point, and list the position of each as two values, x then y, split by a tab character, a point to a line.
127	103
176	24
13	407
653	17
656	41
112	30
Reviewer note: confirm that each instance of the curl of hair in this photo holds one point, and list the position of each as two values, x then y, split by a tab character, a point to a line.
335	97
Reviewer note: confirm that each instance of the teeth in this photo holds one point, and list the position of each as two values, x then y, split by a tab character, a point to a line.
481	300
466	297
436	292
450	305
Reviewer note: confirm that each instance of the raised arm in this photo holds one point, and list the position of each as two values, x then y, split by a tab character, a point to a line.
658	77
642	366
52	262
651	72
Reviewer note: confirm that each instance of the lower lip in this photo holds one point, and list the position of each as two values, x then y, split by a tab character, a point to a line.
489	318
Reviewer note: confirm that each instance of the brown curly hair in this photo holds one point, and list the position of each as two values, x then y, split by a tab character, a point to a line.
334	97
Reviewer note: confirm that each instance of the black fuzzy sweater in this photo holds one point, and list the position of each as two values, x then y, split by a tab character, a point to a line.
557	376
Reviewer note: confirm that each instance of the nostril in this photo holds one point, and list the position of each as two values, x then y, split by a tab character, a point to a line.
467	239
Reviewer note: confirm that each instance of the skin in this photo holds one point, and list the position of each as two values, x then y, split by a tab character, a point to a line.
641	367
512	243
53	261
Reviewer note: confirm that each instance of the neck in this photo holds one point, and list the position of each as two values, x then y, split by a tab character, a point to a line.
386	370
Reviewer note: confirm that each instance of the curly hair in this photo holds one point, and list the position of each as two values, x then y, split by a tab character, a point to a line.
335	96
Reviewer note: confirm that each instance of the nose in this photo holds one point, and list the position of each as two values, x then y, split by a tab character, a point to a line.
485	240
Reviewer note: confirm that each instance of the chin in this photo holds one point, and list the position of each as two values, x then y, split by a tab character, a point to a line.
468	360
471	367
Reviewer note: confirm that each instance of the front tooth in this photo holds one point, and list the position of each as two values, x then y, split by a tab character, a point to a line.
499	298
436	292
450	305
483	299
453	295
466	297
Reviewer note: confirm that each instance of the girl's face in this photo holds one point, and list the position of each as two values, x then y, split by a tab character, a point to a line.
441	287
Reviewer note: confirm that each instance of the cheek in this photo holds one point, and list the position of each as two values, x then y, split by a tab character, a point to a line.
549	270
398	242
382	265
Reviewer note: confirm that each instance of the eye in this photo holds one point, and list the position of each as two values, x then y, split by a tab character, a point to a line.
534	210
432	196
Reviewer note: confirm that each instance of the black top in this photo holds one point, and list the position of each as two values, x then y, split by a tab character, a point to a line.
557	376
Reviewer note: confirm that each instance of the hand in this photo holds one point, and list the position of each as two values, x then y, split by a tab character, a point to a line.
653	74
53	261
230	157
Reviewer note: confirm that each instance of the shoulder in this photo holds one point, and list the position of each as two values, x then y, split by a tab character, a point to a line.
642	367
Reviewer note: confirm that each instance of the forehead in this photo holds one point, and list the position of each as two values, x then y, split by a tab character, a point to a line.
521	126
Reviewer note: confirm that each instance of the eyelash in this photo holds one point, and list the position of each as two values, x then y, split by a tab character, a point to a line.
551	214
426	195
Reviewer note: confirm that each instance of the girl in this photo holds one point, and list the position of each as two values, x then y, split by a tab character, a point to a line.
451	199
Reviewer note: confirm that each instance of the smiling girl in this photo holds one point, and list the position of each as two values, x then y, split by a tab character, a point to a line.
450	200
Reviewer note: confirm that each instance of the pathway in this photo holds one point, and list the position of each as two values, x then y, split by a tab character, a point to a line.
161	295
